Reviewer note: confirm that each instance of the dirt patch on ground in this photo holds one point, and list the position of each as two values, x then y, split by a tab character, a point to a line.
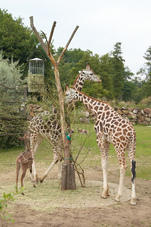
27	213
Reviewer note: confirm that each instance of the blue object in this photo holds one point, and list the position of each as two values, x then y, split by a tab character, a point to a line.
68	137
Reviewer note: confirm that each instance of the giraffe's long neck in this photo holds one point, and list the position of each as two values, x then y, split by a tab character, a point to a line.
79	82
91	104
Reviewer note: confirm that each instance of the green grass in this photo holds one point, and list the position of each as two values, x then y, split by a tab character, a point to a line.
143	141
90	154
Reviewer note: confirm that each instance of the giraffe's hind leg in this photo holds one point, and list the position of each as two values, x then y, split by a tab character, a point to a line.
121	183
24	169
122	162
105	192
104	147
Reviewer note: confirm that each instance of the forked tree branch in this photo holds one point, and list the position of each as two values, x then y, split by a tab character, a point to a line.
51	33
62	53
37	35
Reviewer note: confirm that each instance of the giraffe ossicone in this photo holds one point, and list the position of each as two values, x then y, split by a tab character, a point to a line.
110	127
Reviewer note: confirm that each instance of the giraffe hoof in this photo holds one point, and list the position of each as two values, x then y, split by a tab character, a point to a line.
103	196
41	180
105	193
133	201
117	198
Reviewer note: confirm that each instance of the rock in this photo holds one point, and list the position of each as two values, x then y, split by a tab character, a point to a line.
147	111
87	114
147	119
135	111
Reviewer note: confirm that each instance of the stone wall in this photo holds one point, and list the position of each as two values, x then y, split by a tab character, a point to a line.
137	116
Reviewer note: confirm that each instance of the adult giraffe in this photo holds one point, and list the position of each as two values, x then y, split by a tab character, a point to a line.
46	125
110	127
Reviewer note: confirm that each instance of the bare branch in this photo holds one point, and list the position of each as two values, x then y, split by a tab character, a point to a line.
37	34
51	33
44	35
62	53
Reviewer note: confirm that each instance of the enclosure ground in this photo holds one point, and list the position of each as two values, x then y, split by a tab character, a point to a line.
48	206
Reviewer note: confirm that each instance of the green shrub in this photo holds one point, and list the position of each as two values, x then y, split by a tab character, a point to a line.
4	201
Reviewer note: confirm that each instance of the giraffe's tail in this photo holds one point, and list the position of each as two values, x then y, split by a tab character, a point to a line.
131	153
133	170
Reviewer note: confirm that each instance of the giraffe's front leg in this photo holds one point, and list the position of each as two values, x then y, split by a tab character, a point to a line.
34	143
105	192
55	160
33	175
59	170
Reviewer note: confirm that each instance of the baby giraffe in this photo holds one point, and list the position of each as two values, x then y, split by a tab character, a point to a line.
24	160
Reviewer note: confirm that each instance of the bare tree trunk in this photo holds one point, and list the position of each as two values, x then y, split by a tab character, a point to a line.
68	177
68	174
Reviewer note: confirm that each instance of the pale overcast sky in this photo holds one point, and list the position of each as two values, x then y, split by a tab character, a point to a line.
102	24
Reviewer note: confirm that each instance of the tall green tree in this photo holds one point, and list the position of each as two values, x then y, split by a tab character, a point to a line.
12	99
17	41
148	62
145	73
106	72
118	71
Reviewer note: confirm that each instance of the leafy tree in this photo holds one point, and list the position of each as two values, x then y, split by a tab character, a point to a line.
75	60
118	71
18	42
147	85
12	115
146	72
15	39
148	62
106	72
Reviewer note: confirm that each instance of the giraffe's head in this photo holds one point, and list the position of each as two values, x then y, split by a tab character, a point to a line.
89	75
70	95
